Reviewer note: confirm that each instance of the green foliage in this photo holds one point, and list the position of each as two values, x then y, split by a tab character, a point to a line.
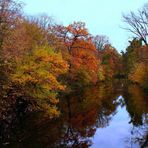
135	63
130	57
101	75
111	62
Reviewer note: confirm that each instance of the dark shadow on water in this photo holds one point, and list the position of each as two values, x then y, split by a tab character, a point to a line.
87	118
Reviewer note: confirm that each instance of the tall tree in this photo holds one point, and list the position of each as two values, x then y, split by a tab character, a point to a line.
130	57
81	53
111	62
10	12
34	78
138	23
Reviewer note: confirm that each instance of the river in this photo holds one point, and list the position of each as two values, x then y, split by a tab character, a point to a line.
113	115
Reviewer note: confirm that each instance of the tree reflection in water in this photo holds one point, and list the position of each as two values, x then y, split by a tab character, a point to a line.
82	113
85	112
137	106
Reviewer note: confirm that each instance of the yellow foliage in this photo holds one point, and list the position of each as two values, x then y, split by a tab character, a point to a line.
139	73
37	74
101	74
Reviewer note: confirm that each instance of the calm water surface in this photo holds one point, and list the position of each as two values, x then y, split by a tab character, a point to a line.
106	116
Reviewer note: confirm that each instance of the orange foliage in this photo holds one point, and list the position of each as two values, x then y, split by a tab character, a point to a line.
82	52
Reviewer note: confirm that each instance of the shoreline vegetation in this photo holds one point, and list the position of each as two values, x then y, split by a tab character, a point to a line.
39	59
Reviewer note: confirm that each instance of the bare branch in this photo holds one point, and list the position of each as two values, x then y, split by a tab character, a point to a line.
138	23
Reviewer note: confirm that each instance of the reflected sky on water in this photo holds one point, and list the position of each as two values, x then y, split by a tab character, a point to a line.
117	134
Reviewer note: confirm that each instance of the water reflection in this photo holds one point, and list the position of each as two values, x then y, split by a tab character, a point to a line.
85	113
137	106
107	115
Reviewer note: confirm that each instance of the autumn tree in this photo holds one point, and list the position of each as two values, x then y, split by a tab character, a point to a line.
135	61
130	56
139	71
80	52
35	76
10	12
33	67
111	62
139	74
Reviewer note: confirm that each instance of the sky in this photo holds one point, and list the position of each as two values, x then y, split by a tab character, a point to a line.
102	17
